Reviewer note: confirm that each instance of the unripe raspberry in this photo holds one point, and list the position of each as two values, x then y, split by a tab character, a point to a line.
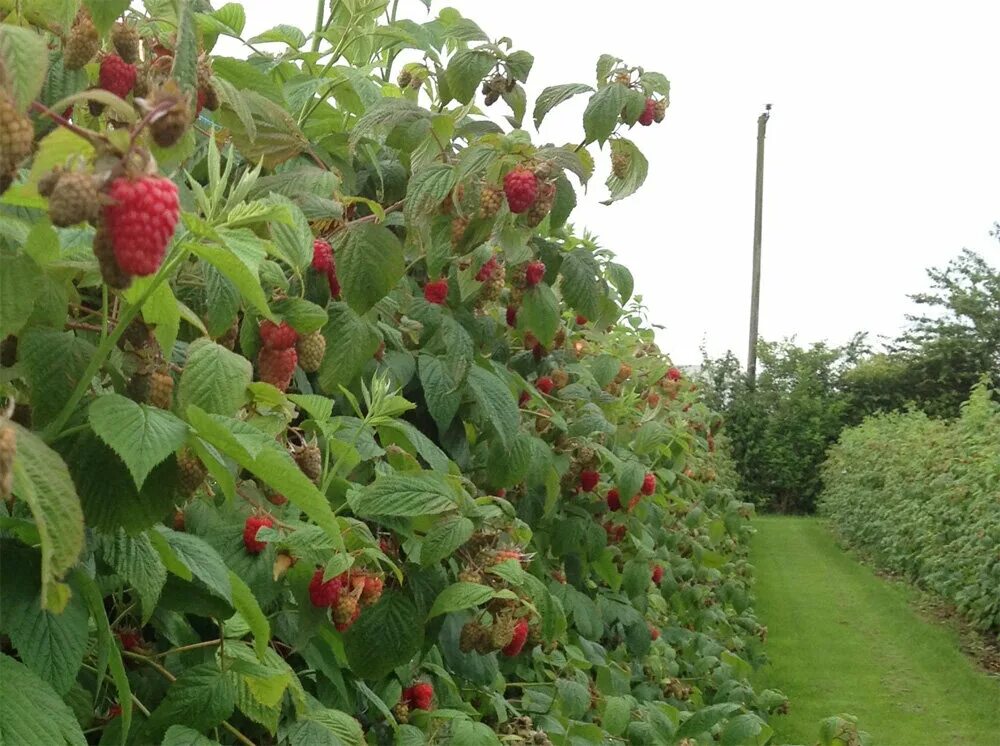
402	711
521	188
275	498
111	273
311	349
277	336
544	384
520	636
208	98
191	471
614	500
490	200
169	127
346	612
648	484
310	461
648	114
404	78
82	43
16	134
373	590
620	162
534	273
660	111
589	479
116	75
560	378
543	203
436	292
161	389
474	638
459	225
126	41
140	221
8	450
73	199
277	366
253	524
324	595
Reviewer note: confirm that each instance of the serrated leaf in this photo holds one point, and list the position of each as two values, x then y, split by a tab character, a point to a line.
181	735
214	379
25	60
350	343
386	635
441	393
743	729
303	316
428	450
579	282
141	435
34	715
701	720
105	12
407	494
635	175
386	112
466	71
185	66
621	278
602	112
227	261
369	264
495	402
276	138
43	482
202	696
138	563
554	95
294	238
426	190
344	728
539	313
201	560
444	538
458	596
20	282
248	607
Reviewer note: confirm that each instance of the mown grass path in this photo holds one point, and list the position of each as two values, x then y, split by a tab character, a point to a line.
841	639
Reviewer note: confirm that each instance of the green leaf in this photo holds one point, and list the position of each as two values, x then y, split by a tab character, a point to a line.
214	379
138	563
24	59
54	361
621	278
276	136
428	450
344	728
203	696
201	560
234	270
458	596
185	67
495	402
303	316
554	95
386	635
295	238
426	191
141	435
350	343
466	71
579	282
440	391
181	735
564	203
470	733
702	720
602	112
743	729
539	313
283	34
630	476
407	494
105	12
246	604
638	168
162	311
369	264
34	715
386	112
20	282
444	538
42	480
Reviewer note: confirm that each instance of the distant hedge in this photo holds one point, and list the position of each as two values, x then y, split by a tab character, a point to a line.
922	497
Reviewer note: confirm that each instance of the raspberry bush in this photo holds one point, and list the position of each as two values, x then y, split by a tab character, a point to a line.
288	458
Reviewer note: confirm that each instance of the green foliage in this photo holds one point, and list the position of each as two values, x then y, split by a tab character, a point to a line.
920	497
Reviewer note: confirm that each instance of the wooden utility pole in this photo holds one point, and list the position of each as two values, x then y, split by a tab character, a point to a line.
758	212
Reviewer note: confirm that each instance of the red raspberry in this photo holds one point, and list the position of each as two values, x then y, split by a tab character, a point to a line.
141	221
114	711
614	500
589	479
250	529
521	188
534	273
653	399
200	102
276	498
501	492
278	336
372	590
116	75
436	292
486	271
674	374
648	484
420	696
523	399
130	639
648	114
654	632
277	366
545	384
657	574
581	320
323	595
322	256
511	316
516	644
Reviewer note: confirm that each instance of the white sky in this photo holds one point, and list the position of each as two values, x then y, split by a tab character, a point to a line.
883	150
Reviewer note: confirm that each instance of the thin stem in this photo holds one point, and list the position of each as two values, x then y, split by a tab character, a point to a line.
320	7
104	312
152	114
92	137
186	648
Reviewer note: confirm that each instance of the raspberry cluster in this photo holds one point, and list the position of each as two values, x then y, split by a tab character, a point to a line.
486	271
520	636
345	594
419	696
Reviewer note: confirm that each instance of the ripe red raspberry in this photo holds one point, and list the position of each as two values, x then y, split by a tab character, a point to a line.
649	483
276	498
141	221
419	696
657	574
511	316
130	639
521	188
542	204
614	500
654	633
589	479
581	320
114	711
534	273
516	644
277	366
372	591
436	292
250	528
278	336
648	114
116	75
486	271
324	595
322	256
674	374
545	384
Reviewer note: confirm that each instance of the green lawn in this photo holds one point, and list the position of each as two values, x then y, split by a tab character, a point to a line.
842	640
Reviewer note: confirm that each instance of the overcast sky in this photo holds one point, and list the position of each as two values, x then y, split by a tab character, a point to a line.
883	150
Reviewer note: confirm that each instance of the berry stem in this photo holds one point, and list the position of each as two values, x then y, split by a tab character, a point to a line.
93	138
